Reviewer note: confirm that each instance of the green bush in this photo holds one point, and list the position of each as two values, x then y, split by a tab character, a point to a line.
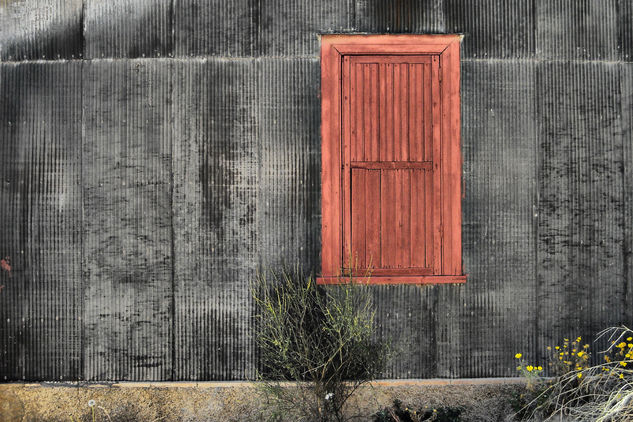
319	338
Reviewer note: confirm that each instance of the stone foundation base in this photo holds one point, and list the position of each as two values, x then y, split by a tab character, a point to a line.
482	400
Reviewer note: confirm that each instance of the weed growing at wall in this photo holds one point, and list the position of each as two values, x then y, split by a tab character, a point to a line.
321	339
581	392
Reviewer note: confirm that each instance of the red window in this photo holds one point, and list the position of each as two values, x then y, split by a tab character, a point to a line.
391	160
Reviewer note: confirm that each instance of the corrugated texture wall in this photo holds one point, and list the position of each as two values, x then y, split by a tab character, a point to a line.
155	154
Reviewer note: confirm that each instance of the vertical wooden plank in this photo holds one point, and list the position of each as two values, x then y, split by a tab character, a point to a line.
419	219
451	163
351	117
354	153
427	112
403	180
372	219
351	109
383	106
388	218
415	109
429	218
397	112
433	86
367	113
359	205
398	217
404	112
358	109
127	170
331	229
374	153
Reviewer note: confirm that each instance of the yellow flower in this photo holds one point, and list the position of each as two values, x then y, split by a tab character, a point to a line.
518	355
580	354
530	368
629	339
621	345
566	339
578	339
628	355
623	363
540	368
557	347
579	375
621	376
518	368
630	345
549	347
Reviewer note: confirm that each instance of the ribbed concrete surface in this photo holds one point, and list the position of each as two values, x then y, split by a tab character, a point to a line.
145	179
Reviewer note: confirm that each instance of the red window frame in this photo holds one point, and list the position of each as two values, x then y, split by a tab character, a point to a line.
444	48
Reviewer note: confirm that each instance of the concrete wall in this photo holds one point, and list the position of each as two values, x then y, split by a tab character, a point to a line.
155	154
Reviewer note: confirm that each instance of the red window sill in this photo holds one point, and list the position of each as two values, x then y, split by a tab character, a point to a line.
424	279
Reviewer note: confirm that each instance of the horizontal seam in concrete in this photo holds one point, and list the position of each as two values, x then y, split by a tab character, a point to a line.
291	58
166	59
434	382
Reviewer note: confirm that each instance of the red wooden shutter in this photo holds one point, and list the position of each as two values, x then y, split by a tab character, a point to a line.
388	150
386	161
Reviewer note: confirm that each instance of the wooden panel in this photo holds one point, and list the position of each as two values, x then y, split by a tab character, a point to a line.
390	102
420	219
424	165
421	279
451	168
358	218
372	219
386	112
331	234
372	152
387	219
416	148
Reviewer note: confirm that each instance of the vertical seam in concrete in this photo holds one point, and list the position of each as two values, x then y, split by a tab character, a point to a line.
628	314
82	312
536	209
436	301
173	230
83	35
352	22
172	35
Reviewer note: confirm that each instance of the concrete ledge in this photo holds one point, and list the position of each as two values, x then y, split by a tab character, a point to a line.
482	399
248	384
